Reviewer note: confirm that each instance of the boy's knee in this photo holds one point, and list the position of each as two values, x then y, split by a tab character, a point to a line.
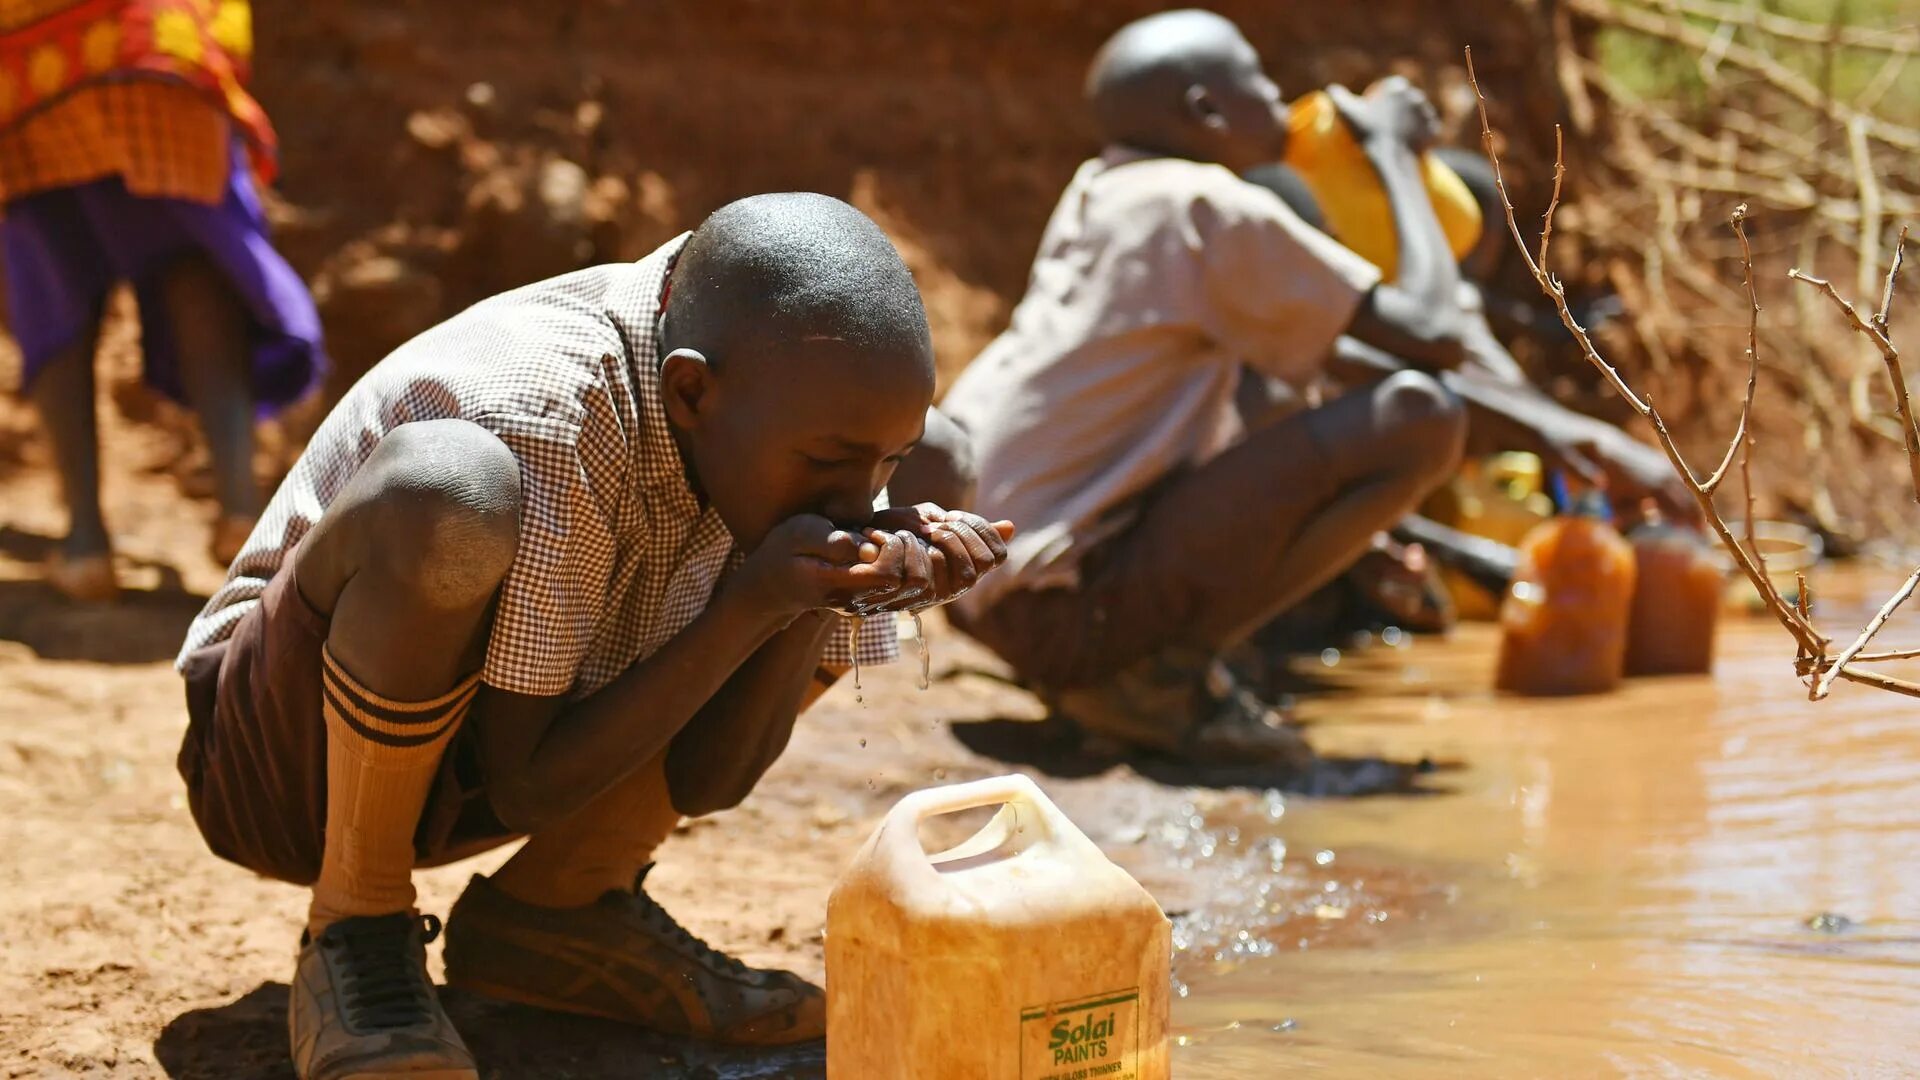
941	468
446	517
1429	419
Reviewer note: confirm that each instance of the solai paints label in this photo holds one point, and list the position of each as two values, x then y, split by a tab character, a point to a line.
1090	1038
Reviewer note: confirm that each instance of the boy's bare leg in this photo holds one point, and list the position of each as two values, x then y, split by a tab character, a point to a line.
210	331
1218	554
1329	478
405	564
63	393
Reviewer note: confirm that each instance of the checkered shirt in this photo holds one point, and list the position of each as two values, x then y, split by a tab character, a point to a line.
616	553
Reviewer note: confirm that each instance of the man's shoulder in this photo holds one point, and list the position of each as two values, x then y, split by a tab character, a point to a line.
1170	181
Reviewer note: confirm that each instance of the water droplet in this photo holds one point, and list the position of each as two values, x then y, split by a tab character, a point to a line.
926	655
1323	858
1288	1024
1330	657
1394	637
939	774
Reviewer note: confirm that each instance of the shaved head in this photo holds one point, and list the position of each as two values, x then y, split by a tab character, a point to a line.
798	366
1186	83
770	274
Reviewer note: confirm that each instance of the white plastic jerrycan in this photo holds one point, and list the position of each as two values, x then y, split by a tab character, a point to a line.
1021	954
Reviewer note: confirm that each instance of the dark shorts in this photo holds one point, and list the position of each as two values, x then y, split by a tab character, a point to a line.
255	753
1197	565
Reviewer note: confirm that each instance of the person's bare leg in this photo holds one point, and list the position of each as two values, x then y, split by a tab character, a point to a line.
1391	444
210	330
405	564
1326	480
406	561
63	393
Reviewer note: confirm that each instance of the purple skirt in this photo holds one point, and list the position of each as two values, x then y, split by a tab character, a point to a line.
65	248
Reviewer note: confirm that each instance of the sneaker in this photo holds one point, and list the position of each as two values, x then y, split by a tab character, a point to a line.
623	958
362	1007
1185	705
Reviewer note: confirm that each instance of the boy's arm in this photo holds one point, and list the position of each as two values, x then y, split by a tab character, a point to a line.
546	758
1504	415
743	729
740	668
1418	316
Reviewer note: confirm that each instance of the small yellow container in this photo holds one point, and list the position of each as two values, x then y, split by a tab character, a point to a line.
1021	954
1321	148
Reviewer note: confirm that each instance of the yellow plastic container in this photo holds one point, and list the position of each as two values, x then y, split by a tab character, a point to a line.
1021	954
1321	148
1501	497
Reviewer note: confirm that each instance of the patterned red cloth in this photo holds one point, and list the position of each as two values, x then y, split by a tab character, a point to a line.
146	89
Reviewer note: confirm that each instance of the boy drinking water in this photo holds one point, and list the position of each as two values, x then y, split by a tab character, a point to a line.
1156	531
560	568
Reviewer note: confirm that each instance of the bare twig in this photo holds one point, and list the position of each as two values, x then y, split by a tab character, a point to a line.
1811	655
1877	334
1824	684
1807	666
1753	61
1904	40
1743	437
1754	569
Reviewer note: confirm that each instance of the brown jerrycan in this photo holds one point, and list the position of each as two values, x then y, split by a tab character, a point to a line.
1679	578
1563	625
1020	954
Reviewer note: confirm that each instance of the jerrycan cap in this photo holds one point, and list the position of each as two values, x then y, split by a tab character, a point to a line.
1592	503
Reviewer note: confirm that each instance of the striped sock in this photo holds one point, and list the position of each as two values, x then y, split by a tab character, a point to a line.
382	757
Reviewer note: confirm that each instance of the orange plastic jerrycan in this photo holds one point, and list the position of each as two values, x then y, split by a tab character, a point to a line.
1679	577
1020	954
1564	621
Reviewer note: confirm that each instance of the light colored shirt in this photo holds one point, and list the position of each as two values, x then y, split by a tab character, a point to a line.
616	553
1156	280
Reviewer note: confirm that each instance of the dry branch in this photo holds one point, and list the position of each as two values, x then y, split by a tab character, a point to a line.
1812	658
1875	328
1787	28
1759	64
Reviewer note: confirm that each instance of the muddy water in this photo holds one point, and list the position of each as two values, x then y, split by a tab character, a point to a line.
1614	885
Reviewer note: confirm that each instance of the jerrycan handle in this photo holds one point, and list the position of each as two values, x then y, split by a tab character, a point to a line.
900	832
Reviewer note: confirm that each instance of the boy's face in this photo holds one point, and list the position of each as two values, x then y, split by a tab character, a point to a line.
1251	124
817	429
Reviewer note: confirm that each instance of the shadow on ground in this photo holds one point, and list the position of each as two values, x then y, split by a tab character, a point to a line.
144	625
246	1039
1057	751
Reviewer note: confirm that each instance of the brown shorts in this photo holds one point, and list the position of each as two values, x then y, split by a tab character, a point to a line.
1198	562
255	753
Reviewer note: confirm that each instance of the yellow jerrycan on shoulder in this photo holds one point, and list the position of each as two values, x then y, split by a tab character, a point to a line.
1323	151
1021	954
